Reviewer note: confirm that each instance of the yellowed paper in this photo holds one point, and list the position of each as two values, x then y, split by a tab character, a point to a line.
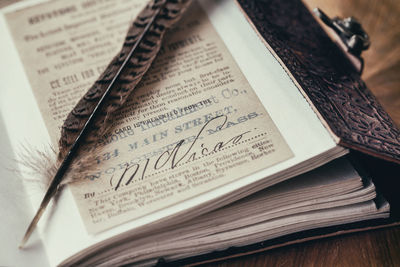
65	46
192	125
4	3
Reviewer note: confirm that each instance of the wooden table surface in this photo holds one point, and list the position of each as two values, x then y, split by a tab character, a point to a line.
381	19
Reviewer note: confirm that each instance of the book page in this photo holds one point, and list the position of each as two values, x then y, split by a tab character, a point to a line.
4	3
295	120
193	124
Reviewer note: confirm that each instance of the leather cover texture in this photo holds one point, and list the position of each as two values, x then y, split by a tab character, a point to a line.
325	76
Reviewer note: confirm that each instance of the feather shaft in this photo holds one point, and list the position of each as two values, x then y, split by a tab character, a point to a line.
169	12
139	41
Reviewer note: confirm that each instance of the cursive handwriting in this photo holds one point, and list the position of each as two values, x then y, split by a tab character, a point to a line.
178	155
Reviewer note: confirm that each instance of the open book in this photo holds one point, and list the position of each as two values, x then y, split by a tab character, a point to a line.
219	146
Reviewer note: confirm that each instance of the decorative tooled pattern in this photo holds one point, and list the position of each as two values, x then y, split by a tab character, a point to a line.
322	71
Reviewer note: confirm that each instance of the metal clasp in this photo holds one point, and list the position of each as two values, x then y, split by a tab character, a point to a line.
350	32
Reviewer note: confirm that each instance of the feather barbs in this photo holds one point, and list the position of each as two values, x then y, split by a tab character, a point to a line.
91	116
161	15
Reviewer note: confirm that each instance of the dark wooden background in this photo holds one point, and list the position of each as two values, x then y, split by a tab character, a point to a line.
381	19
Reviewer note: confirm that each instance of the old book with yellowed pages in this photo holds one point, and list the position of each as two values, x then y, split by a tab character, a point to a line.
234	136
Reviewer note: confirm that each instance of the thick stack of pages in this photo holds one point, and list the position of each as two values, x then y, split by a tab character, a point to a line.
330	195
205	155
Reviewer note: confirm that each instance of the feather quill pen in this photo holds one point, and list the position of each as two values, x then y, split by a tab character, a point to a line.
91	116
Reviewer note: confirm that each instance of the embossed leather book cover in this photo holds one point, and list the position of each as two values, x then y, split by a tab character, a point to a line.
326	77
